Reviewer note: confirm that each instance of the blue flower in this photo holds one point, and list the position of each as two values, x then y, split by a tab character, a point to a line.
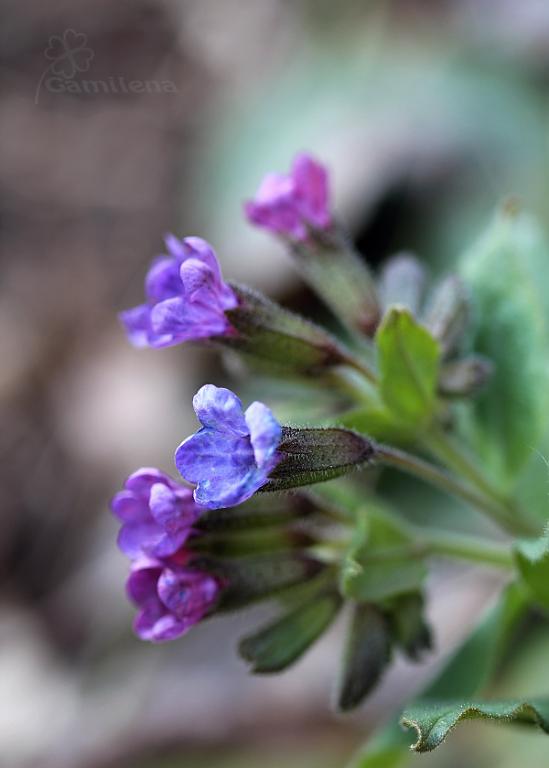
231	457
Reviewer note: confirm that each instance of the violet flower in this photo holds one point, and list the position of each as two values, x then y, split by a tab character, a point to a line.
171	597
157	514
290	204
186	297
231	457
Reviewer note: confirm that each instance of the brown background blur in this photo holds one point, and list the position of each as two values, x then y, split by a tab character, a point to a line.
428	114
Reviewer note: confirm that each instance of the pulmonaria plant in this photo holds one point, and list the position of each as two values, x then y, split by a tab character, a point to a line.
413	388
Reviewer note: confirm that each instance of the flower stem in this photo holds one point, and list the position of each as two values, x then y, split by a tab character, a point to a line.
443	447
463	547
438	477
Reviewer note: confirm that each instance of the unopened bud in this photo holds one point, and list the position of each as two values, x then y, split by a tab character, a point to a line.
465	377
402	282
448	313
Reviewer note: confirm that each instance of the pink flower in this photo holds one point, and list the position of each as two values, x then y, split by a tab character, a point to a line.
291	204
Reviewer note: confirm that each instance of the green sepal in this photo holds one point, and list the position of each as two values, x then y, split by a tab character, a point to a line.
340	277
381	562
366	655
259	512
258	541
246	580
282	642
279	341
408	362
532	560
433	721
315	455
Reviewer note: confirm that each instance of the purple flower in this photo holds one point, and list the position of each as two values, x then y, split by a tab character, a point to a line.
289	204
186	297
234	452
171	597
157	514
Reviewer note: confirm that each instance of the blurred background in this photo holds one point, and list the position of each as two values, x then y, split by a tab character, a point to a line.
428	114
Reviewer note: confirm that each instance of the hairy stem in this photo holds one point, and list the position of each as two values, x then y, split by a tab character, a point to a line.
438	477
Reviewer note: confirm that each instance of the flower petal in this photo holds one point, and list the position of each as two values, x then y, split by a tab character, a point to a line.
129	507
163	280
141	481
265	432
311	182
138	539
219	408
188	595
211	455
137	324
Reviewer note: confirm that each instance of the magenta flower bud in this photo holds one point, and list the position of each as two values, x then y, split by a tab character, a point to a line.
291	204
171	597
186	297
157	514
231	456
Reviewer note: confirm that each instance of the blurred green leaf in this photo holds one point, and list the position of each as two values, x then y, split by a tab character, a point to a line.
285	640
381	562
367	654
408	360
408	627
433	721
507	271
532	559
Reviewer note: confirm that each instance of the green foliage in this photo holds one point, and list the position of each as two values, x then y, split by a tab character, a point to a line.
281	643
381	562
367	654
532	559
433	721
408	360
466	672
505	271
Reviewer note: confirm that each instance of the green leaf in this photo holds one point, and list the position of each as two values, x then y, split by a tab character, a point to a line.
433	721
408	360
284	641
408	627
366	656
505	271
532	559
378	422
381	562
464	674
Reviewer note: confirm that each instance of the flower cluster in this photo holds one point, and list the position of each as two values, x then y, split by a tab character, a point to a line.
157	516
214	544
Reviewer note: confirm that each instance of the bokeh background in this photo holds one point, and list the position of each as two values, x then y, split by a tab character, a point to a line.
428	115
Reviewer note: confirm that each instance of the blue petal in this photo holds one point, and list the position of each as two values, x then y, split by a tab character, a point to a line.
210	455
265	432
221	409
